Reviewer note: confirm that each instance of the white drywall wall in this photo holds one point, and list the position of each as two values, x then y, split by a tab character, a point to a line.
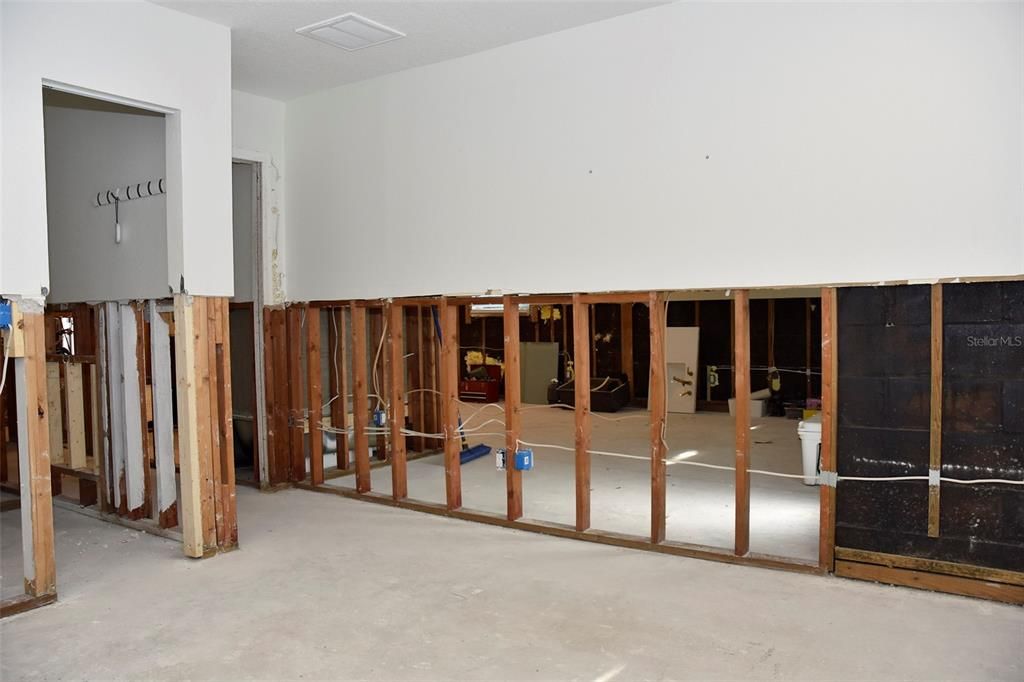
145	55
91	151
691	145
257	132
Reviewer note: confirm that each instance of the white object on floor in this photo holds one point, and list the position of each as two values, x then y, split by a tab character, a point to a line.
809	431
681	344
756	408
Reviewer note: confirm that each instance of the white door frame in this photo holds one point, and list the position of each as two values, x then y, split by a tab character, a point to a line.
261	217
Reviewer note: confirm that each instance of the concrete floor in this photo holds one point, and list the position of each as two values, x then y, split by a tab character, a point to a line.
699	501
329	588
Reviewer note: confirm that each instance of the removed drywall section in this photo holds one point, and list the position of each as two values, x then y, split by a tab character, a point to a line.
685	146
257	130
140	54
90	151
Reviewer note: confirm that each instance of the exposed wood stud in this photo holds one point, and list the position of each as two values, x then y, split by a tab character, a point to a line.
396	346
205	423
581	316
296	438
829	398
188	431
276	369
228	537
30	373
56	415
626	343
75	395
935	426
360	400
657	404
315	395
513	407
741	350
449	404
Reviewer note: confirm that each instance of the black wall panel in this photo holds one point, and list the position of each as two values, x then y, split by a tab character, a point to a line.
883	421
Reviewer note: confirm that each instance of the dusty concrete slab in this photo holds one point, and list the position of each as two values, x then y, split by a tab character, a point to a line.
700	502
329	588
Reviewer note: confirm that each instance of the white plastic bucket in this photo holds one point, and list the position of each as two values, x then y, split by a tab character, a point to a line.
809	431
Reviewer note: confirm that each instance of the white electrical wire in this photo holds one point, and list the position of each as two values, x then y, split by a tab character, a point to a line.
7	355
705	465
424	390
376	360
761	472
476	429
334	360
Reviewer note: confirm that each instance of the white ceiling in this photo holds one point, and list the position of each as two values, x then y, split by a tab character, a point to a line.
270	59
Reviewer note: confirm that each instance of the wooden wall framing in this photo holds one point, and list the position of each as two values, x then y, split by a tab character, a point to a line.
581	323
27	350
741	353
205	437
829	401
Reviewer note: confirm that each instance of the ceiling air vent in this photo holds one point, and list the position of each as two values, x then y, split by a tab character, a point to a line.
350	32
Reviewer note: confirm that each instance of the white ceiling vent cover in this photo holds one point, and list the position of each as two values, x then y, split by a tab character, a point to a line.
350	32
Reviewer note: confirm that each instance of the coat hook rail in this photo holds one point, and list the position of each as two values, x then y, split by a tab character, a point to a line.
138	190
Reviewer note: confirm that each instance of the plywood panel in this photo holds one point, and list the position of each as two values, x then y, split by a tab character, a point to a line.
55	420
76	415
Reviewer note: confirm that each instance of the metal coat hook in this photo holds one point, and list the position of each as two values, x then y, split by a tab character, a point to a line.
117	220
141	190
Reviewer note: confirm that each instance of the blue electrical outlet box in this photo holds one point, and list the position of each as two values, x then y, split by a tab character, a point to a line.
380	418
5	315
524	459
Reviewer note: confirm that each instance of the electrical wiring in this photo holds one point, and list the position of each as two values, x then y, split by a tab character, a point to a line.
7	355
334	359
704	465
478	431
376	360
478	411
475	430
777	474
423	390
